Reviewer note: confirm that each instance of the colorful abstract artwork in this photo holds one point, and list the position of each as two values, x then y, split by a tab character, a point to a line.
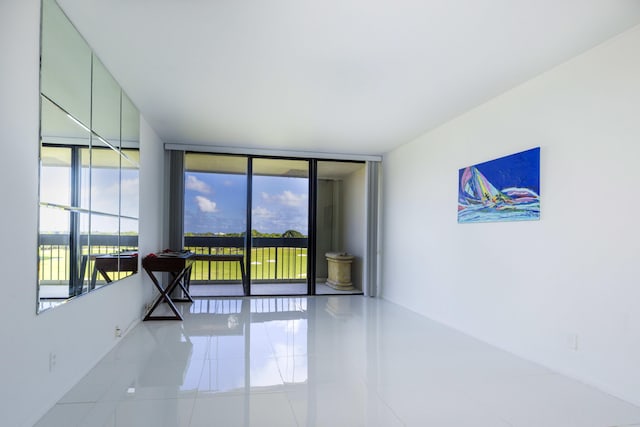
504	189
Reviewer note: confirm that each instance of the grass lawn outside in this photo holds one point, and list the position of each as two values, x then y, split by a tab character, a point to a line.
266	264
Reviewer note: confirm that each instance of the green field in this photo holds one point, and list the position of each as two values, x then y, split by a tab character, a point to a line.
53	264
266	264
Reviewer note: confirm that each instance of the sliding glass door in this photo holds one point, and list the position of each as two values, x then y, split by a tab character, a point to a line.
340	227
279	226
215	222
275	226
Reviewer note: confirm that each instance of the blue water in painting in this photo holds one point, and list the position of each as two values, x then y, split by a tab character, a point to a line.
526	212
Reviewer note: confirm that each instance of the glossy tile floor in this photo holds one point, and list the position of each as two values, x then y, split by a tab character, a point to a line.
264	289
322	361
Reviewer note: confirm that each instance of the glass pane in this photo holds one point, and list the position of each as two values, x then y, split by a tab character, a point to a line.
130	124
279	222
53	257
85	178
340	227
215	194
53	250
86	181
55	179
128	253
128	235
129	177
132	156
104	240
105	180
129	184
85	262
59	133
215	206
59	128
65	63
105	113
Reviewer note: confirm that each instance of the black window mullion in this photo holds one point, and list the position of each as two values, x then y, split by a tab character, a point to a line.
247	241
311	240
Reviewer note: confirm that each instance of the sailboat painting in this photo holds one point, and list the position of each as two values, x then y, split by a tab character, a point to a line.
504	189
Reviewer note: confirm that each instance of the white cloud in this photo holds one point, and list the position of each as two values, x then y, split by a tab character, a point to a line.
105	198
290	199
193	183
262	212
287	198
130	186
54	220
206	205
129	198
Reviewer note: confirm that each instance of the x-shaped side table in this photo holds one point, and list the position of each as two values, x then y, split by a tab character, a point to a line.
180	269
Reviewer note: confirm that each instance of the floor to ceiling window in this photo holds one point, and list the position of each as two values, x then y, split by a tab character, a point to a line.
273	226
215	220
279	227
340	227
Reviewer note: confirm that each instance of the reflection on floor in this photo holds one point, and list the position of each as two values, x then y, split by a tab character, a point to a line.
321	361
199	290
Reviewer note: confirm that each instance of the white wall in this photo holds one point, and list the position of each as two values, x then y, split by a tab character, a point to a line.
81	331
354	222
533	287
152	195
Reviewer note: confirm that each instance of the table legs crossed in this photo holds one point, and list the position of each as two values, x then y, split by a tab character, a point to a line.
178	279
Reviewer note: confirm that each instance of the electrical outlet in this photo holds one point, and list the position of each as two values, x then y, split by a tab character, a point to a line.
118	332
52	361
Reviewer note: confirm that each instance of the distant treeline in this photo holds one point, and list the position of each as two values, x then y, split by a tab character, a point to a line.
254	233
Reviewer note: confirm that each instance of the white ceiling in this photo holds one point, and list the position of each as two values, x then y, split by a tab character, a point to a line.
342	76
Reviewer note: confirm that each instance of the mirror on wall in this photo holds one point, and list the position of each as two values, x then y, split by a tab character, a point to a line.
89	162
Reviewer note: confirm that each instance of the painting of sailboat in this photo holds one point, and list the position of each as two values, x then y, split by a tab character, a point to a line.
504	189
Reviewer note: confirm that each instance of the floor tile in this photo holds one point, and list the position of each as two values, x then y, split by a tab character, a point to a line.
420	405
65	414
223	376
340	404
268	409
553	400
322	361
156	413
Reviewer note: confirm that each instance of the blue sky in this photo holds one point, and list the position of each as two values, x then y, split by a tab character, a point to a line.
107	187
516	170
216	203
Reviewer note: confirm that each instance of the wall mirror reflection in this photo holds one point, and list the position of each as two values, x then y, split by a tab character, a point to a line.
89	162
